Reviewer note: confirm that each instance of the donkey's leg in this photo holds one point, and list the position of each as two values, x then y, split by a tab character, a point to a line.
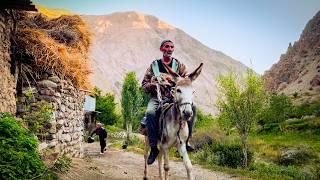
187	163
166	164
146	151
160	155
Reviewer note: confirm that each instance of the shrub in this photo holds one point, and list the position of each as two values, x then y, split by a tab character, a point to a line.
296	156
279	109
207	135
229	155
19	158
306	109
62	164
112	129
38	117
202	120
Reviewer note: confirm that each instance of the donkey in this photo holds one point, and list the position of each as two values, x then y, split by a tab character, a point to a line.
173	123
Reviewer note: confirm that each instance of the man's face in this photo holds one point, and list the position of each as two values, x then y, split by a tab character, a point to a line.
167	49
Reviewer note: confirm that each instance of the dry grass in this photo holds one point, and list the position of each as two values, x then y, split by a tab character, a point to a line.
59	45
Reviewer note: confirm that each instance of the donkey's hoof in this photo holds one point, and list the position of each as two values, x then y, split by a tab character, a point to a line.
145	178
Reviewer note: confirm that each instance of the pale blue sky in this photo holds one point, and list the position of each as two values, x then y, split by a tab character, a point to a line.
256	30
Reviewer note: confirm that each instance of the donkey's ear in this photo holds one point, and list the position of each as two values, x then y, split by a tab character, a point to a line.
170	71
192	76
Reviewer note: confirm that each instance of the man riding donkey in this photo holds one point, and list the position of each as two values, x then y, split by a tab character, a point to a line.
155	74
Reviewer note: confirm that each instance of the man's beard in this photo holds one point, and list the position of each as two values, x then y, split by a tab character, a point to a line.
167	54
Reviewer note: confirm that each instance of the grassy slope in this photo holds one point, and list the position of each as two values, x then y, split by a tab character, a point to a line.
269	145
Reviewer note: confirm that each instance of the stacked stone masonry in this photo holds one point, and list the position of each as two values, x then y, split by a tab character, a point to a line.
7	79
66	133
67	128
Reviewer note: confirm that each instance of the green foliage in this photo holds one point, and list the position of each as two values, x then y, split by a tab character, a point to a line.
274	171
38	117
112	129
140	114
296	156
278	110
241	105
306	110
207	135
145	97
106	105
19	158
292	125
29	93
62	164
96	92
131	100
203	120
229	155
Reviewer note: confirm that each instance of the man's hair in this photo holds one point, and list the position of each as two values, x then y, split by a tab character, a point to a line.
99	124
164	41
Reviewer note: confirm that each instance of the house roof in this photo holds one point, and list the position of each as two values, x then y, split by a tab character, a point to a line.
17	4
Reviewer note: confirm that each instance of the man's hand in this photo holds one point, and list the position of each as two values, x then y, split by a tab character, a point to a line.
167	80
154	82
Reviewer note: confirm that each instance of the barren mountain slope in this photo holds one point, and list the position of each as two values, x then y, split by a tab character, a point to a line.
129	41
298	71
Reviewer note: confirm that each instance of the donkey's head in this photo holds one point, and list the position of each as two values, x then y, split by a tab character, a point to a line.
183	91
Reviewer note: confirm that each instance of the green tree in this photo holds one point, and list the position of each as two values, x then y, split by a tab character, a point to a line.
106	105
96	92
241	104
131	100
278	110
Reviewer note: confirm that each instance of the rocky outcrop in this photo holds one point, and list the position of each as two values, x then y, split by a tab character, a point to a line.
65	132
298	69
7	71
315	81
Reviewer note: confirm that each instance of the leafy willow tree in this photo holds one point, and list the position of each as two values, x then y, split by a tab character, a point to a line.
106	105
131	100
241	104
278	110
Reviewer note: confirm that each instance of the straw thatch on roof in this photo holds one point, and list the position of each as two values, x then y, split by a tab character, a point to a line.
59	45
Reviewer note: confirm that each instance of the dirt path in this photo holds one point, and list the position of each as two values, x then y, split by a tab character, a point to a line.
118	164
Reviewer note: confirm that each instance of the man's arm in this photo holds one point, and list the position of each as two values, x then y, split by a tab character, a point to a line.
93	132
147	84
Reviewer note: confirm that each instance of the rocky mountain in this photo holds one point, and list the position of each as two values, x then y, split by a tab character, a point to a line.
298	71
129	41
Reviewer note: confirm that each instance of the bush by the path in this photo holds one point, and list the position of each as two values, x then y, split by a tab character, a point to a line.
19	158
229	155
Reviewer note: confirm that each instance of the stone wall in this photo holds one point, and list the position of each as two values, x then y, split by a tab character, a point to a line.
7	79
65	136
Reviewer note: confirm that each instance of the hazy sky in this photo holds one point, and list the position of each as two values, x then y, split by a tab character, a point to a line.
247	30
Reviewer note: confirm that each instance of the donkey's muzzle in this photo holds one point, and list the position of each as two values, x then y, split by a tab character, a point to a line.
187	115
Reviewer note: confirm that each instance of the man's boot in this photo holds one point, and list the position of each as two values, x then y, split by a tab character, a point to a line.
142	128
188	147
152	128
153	155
